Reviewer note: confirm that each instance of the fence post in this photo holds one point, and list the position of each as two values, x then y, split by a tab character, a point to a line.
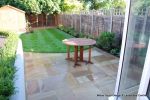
63	19
72	20
75	22
46	19
36	20
111	19
80	21
92	22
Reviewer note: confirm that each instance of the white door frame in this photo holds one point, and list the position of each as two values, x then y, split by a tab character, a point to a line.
145	77
125	30
146	70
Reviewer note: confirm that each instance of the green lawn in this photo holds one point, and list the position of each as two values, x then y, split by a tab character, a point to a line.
45	41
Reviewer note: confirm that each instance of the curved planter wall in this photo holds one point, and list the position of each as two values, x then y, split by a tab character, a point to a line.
19	76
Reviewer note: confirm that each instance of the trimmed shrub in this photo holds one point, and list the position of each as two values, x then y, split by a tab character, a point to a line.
106	40
7	69
60	26
68	30
115	51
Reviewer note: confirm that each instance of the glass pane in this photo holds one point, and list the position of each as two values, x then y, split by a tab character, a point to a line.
136	48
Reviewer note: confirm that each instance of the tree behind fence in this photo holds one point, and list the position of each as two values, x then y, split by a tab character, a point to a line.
94	22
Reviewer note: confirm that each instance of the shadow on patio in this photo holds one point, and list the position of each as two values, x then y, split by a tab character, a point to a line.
50	77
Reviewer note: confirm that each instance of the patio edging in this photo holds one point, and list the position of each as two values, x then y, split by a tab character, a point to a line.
19	81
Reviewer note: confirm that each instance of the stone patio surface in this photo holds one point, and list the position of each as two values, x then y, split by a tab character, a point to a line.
50	77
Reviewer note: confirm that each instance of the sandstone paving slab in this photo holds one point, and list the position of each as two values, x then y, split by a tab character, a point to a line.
50	77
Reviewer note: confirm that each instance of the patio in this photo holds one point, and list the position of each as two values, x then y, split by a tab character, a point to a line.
50	77
34	35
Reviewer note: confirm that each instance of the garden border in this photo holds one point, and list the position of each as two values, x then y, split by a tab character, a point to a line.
19	81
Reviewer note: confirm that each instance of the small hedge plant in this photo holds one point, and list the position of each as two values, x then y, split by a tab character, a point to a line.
68	30
71	31
7	69
106	40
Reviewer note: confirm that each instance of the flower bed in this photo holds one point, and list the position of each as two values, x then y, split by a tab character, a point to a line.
107	41
7	69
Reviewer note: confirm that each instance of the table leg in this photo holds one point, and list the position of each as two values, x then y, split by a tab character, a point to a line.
81	53
68	53
89	59
76	56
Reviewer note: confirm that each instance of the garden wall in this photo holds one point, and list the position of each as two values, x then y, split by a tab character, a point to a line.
41	20
19	80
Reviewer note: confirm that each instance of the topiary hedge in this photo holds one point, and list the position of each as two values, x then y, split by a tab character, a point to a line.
7	69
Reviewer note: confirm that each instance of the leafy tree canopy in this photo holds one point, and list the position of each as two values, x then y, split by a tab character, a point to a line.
107	4
34	6
141	4
56	6
71	5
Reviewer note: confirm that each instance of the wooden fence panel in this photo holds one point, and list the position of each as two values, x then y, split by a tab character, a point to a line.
41	20
94	22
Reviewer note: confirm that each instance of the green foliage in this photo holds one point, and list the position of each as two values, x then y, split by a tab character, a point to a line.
119	4
107	4
81	35
49	6
71	6
29	6
35	6
7	69
106	40
68	30
50	41
3	97
61	27
140	5
115	51
29	27
71	31
97	4
6	87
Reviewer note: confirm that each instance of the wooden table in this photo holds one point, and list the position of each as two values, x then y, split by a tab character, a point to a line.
79	42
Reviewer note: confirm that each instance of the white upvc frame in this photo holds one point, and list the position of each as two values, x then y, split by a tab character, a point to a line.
145	77
125	30
146	70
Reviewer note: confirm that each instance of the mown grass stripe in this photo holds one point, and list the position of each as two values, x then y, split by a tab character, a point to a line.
45	40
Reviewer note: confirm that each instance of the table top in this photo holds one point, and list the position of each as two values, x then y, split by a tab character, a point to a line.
79	41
